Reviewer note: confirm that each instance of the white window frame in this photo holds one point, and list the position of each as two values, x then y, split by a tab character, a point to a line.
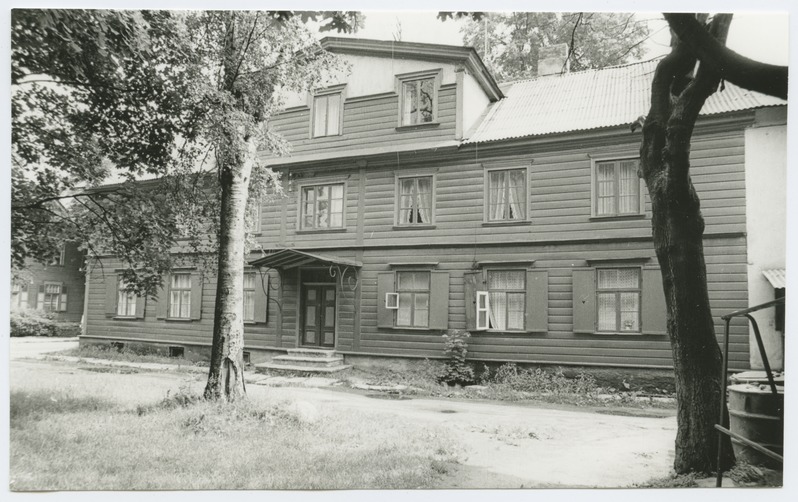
486	273
594	161
413	293
618	291
60	298
122	293
404	78
252	290
301	207
486	215
392	301
398	201
180	303
485	297
325	93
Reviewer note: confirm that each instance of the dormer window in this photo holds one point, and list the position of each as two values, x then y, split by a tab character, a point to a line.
327	112
418	98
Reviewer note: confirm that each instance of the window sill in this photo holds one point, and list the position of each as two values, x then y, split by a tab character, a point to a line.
617	333
506	223
320	230
413	127
178	319
326	136
410	328
414	227
619	217
125	318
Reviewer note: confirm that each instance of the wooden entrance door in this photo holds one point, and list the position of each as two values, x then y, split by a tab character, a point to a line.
318	315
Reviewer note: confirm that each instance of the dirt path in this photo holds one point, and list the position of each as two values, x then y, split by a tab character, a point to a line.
502	445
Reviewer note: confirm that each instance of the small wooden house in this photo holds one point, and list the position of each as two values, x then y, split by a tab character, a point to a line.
423	196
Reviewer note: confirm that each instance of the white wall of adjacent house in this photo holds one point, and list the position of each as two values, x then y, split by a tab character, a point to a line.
368	75
475	102
766	223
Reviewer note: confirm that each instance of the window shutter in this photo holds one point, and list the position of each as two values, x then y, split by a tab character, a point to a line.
261	297
385	284
62	305
33	300
141	305
584	300
111	294
537	300
470	281
439	300
196	295
654	311
23	295
40	298
163	298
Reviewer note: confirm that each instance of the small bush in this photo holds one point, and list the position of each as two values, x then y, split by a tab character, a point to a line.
455	348
29	322
538	381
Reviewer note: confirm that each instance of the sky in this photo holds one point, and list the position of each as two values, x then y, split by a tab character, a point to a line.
760	36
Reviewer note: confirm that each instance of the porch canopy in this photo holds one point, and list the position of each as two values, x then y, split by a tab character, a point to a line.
293	258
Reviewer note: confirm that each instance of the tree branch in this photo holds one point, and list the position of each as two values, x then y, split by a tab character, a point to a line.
749	74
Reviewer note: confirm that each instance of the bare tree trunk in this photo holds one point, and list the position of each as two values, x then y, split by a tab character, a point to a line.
678	229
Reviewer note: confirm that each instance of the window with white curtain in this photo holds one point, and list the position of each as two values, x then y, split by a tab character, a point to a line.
413	291
125	301
506	299
617	188
415	201
618	299
507	195
180	296
327	114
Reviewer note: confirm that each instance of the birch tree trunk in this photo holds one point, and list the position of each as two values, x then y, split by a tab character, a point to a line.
678	228
235	154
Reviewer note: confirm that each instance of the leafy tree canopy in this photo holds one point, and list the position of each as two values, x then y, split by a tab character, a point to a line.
595	39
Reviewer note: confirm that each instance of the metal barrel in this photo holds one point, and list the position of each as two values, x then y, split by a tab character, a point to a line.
756	414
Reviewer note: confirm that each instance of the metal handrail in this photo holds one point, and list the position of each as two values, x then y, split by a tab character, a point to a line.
723	378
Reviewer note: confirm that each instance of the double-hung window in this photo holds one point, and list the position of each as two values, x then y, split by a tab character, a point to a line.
415	201
249	296
618	300
617	188
322	207
52	297
506	300
507	198
413	290
126	301
180	296
327	114
19	295
418	97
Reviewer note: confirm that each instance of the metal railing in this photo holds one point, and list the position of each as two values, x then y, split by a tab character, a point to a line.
724	383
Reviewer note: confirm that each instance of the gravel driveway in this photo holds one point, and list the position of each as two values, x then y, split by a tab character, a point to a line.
503	445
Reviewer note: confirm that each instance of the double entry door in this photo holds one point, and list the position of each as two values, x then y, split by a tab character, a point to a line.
318	315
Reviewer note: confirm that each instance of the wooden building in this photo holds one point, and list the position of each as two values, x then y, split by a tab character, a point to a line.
424	196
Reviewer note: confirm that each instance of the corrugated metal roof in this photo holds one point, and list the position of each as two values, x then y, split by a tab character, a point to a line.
777	277
591	99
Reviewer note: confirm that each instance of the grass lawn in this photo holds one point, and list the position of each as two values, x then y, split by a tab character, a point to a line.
63	441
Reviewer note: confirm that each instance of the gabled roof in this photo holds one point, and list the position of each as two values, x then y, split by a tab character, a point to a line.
591	99
465	56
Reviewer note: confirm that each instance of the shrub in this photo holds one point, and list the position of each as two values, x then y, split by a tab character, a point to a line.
29	322
455	348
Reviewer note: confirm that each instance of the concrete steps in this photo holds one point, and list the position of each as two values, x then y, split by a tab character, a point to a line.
305	361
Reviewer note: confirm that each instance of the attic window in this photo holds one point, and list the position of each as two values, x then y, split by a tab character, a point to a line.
418	98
